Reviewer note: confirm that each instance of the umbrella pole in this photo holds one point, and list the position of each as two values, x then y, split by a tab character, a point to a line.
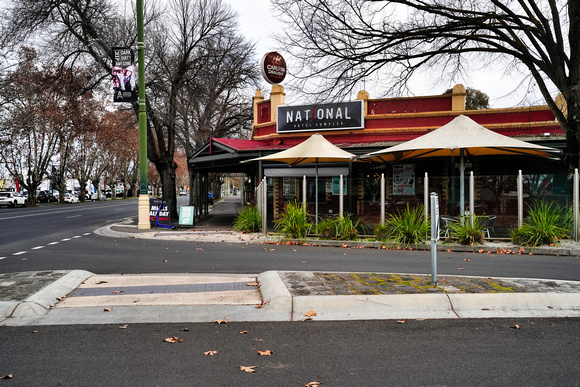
461	183
316	194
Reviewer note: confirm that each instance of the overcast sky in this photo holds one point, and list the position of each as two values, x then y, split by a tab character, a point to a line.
258	24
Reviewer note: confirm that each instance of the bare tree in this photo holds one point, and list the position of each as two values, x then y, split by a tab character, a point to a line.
86	30
35	121
344	41
217	102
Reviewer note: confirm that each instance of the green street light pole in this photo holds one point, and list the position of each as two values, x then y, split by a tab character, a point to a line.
143	186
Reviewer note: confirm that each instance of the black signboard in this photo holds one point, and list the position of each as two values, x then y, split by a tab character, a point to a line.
329	116
164	216
123	73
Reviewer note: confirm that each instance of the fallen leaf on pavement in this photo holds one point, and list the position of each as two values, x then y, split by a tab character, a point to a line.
101	282
124	326
305	319
460	268
401	321
516	326
244	332
265	353
252	283
9	376
310	314
173	339
311	384
184	329
117	291
467	259
166	260
61	298
108	309
248	368
34	331
210	353
221	321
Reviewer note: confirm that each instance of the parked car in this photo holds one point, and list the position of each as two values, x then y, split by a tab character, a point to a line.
70	198
12	199
47	196
95	196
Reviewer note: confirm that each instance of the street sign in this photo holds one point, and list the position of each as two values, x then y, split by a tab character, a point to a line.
160	216
186	215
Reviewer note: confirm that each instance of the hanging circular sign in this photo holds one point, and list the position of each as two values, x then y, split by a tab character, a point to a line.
273	67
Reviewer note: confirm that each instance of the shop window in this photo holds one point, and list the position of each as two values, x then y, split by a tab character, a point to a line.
289	186
372	186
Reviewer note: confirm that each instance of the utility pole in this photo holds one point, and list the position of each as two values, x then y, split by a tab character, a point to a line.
143	186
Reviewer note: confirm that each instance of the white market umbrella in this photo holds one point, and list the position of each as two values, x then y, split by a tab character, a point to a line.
460	137
316	149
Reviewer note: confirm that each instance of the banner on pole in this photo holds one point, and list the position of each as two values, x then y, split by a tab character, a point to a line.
123	72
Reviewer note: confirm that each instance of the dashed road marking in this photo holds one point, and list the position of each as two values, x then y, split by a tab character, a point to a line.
49	244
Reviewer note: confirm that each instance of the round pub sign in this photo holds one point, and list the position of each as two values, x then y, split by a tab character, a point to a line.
273	67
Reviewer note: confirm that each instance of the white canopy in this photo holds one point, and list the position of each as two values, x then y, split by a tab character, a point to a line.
462	133
314	149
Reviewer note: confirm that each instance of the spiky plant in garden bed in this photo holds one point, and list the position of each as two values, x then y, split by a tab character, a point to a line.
294	222
465	232
248	220
339	228
545	224
408	226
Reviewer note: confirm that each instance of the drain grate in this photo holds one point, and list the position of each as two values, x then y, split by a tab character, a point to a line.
160	289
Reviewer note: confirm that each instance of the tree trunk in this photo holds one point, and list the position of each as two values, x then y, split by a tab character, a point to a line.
168	187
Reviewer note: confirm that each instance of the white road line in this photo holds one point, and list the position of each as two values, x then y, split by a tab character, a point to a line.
20	253
38	248
77	236
53	243
87	233
65	240
73	216
3	257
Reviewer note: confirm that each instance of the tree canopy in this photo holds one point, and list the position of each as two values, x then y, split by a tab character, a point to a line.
185	41
342	42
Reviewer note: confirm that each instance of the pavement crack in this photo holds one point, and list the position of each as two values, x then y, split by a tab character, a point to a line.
451	305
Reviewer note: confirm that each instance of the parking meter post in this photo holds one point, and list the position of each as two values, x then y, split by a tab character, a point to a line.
434	236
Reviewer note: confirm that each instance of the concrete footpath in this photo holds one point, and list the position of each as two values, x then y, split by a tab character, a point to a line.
81	297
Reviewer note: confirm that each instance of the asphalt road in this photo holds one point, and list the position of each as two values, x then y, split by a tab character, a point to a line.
61	238
362	353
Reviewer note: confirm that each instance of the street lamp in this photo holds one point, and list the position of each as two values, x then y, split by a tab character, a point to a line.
143	187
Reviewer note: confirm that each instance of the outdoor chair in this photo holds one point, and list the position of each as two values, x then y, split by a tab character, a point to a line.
489	224
444	225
